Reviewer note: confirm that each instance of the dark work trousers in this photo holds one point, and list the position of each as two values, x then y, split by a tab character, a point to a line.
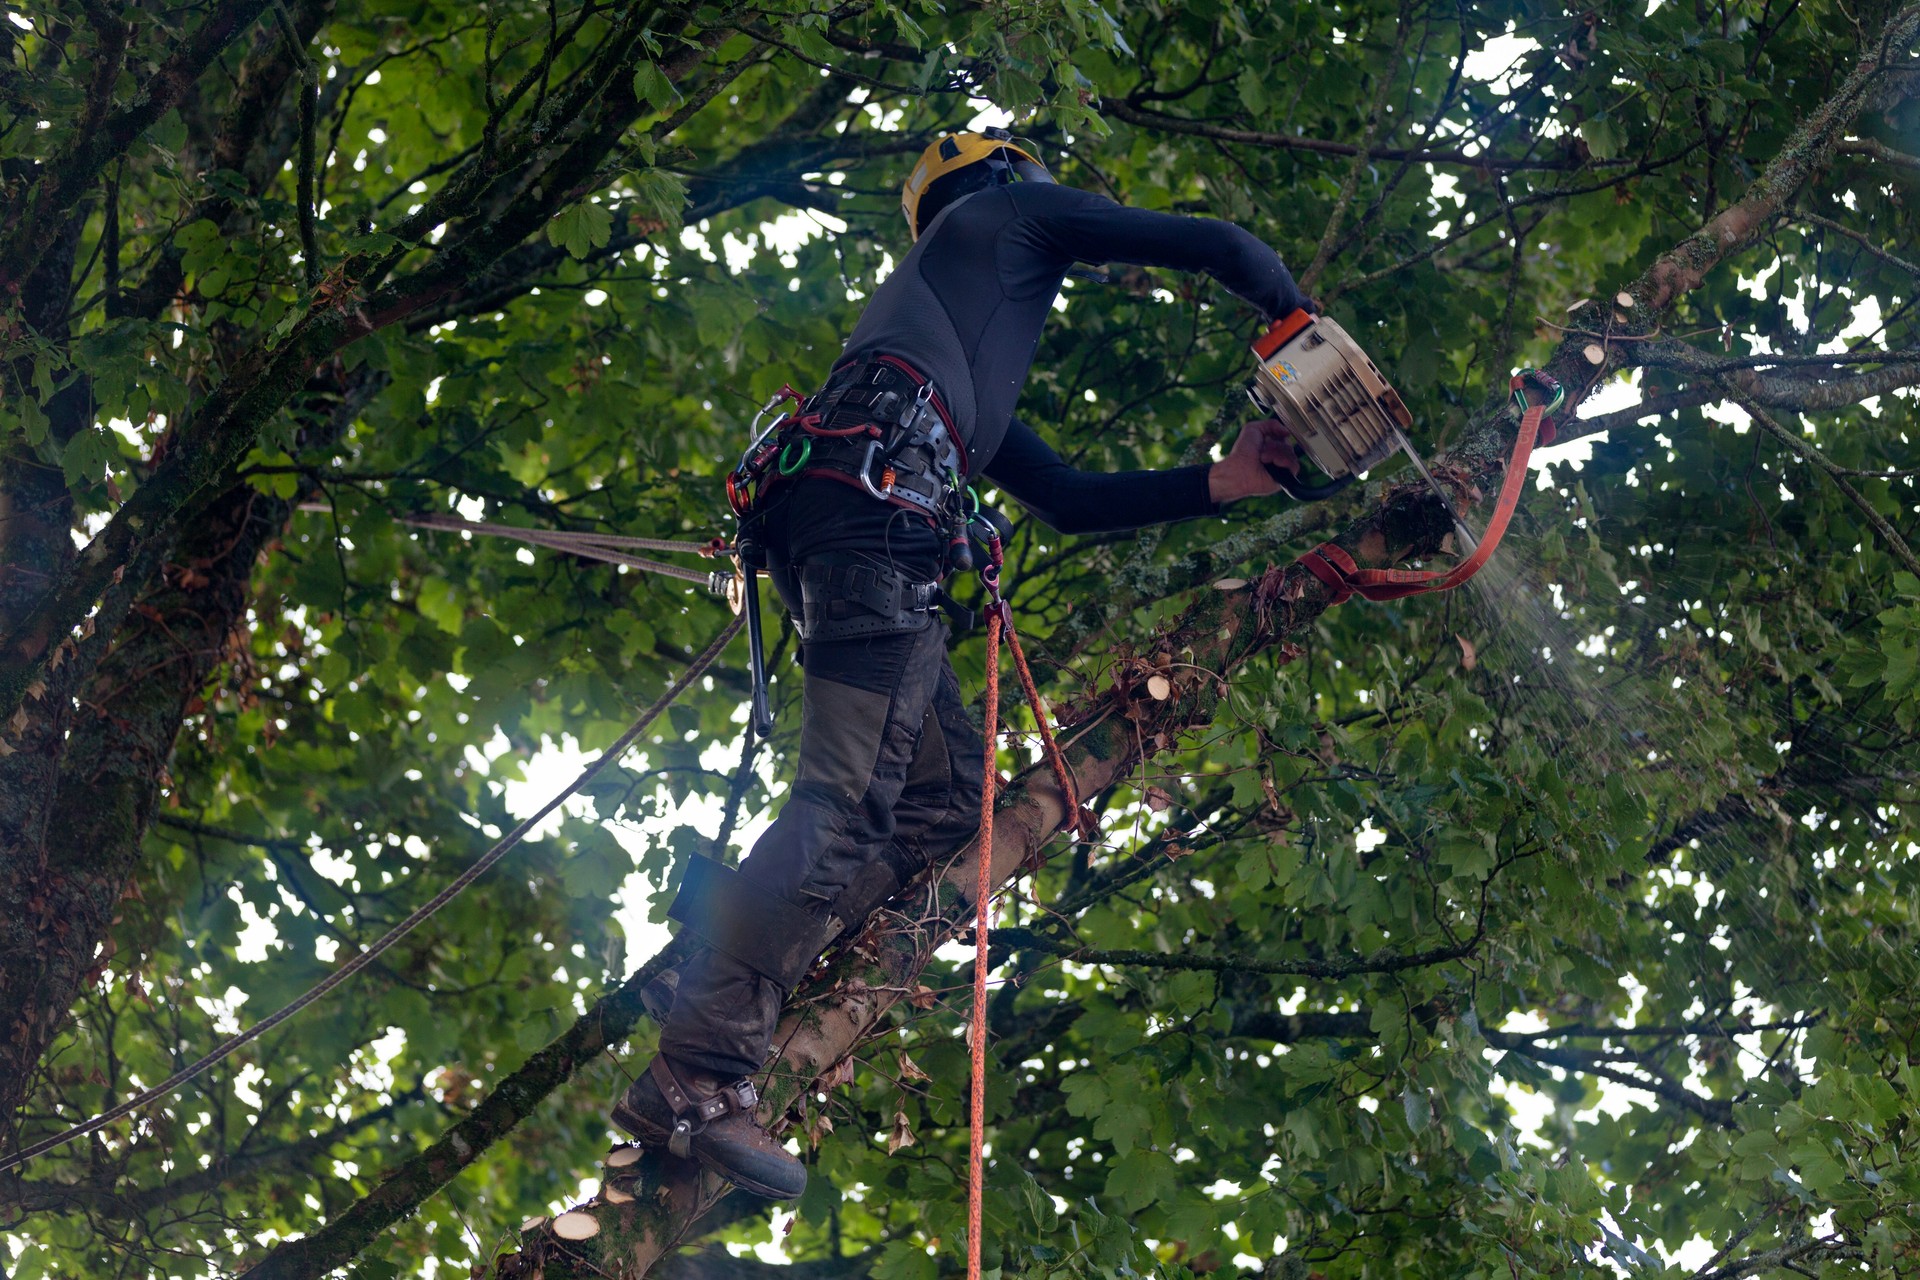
890	762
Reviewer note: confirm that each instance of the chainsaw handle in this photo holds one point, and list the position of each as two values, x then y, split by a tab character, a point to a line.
1290	484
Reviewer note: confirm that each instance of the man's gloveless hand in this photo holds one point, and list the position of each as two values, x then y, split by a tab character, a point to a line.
1243	472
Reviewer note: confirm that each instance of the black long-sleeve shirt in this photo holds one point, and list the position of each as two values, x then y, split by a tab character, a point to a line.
1075	501
966	306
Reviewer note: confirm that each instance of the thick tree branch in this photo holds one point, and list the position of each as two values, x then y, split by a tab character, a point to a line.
1683	268
27	226
1801	393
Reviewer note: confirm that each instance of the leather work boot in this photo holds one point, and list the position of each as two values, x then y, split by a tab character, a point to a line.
697	1114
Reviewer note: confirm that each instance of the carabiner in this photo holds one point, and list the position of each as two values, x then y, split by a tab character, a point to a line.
866	476
738	495
786	392
1547	383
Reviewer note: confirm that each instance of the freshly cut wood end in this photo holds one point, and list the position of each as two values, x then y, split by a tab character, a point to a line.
1160	687
1595	353
614	1195
534	1223
1624	300
621	1157
575	1225
1229	584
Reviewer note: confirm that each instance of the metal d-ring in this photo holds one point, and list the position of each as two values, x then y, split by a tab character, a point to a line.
787	467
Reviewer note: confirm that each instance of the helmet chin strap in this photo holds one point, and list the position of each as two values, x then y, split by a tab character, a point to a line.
1011	164
1027	171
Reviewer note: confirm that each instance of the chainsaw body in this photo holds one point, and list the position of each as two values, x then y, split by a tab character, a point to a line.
1316	380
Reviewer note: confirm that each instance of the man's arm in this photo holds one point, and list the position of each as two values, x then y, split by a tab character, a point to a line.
1076	225
1070	500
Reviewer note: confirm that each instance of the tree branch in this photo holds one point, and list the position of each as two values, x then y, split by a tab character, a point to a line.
1837	474
1682	268
25	230
605	1024
1324	969
1125	110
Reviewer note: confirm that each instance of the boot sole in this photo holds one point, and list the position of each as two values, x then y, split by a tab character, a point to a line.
649	1134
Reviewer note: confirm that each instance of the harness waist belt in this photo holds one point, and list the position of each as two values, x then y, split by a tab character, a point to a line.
881	424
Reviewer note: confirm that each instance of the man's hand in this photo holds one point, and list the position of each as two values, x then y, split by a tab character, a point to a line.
1243	472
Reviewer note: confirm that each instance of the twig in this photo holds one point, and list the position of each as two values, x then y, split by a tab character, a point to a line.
1860	240
1361	158
1836	473
303	175
1877	150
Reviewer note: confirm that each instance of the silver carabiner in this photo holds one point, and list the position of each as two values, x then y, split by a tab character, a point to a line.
866	473
753	426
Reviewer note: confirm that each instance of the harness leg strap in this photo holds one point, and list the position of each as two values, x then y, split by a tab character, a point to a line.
742	919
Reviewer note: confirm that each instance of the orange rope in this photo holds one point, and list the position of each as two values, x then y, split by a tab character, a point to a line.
983	889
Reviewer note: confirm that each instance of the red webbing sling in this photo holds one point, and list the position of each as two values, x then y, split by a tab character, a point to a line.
1346	579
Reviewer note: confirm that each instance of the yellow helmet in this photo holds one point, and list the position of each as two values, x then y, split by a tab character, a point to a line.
956	151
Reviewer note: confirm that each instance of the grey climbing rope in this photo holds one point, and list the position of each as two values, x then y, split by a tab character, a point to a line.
608	547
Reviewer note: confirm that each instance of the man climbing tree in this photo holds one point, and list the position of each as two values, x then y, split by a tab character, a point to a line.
861	515
1563	924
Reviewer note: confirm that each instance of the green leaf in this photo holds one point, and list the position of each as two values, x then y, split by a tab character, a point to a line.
84	458
1603	137
1141	1178
33	421
1418	1108
580	228
661	194
651	86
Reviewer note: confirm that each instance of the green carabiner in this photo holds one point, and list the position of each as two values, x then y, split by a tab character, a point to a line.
1520	404
789	466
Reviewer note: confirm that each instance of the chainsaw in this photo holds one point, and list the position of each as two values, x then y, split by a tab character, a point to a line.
1343	414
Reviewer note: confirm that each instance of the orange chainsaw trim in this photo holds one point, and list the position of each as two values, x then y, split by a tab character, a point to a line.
1280	333
1346	579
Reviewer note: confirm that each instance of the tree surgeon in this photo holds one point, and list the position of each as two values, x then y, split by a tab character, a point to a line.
860	521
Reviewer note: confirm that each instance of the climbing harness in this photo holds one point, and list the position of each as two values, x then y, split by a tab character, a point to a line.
373	951
1345	579
1078	820
880	426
